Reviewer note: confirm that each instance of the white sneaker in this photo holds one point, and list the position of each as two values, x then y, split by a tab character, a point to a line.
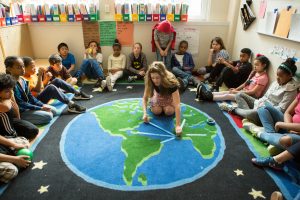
226	107
103	84
108	83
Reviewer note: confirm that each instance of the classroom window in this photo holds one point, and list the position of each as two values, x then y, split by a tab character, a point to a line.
198	9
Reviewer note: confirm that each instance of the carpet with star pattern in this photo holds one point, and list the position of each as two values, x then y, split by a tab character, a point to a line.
107	153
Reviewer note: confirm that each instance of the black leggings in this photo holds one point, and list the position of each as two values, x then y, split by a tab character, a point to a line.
25	128
214	71
295	151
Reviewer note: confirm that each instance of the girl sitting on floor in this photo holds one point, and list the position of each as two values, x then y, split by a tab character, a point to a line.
116	65
254	86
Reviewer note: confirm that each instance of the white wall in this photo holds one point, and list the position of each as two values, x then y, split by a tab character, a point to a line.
46	36
14	40
259	43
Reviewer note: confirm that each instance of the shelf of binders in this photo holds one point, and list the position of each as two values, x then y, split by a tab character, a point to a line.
8	21
47	18
150	17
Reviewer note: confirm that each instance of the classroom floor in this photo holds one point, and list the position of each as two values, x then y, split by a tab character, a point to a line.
84	162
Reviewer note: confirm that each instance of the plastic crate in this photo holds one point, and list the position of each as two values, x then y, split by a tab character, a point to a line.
48	18
184	18
126	17
34	18
56	18
176	18
41	18
27	18
162	17
135	17
170	17
63	17
20	18
118	17
155	17
71	18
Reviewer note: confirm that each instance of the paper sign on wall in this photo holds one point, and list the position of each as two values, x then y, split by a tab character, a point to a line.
107	33
125	33
284	22
191	35
295	27
262	8
268	24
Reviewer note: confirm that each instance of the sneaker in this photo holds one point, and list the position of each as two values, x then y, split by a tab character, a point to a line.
226	107
131	79
98	83
74	108
108	83
267	162
82	96
252	128
103	84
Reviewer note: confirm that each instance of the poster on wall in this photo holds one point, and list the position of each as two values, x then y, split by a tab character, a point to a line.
107	33
189	34
295	27
125	33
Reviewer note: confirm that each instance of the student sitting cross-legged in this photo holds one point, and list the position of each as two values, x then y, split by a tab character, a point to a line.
31	109
52	89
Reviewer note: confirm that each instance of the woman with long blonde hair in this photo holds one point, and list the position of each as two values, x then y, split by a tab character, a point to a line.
162	87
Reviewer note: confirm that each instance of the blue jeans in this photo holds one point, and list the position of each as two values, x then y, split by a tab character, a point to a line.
165	59
274	138
91	69
185	75
268	116
39	117
52	92
64	85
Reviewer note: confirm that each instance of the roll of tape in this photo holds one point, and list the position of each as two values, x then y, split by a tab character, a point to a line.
210	121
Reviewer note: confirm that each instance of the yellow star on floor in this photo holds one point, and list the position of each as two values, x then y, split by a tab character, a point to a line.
39	165
256	194
239	172
43	189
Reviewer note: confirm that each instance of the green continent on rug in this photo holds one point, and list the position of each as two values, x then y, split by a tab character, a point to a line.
149	152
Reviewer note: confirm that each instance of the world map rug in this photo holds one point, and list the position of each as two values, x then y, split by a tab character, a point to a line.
287	180
110	153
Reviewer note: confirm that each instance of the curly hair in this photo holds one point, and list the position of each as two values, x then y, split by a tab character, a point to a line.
6	81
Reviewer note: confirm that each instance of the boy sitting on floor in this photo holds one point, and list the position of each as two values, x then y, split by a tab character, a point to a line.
52	90
9	140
